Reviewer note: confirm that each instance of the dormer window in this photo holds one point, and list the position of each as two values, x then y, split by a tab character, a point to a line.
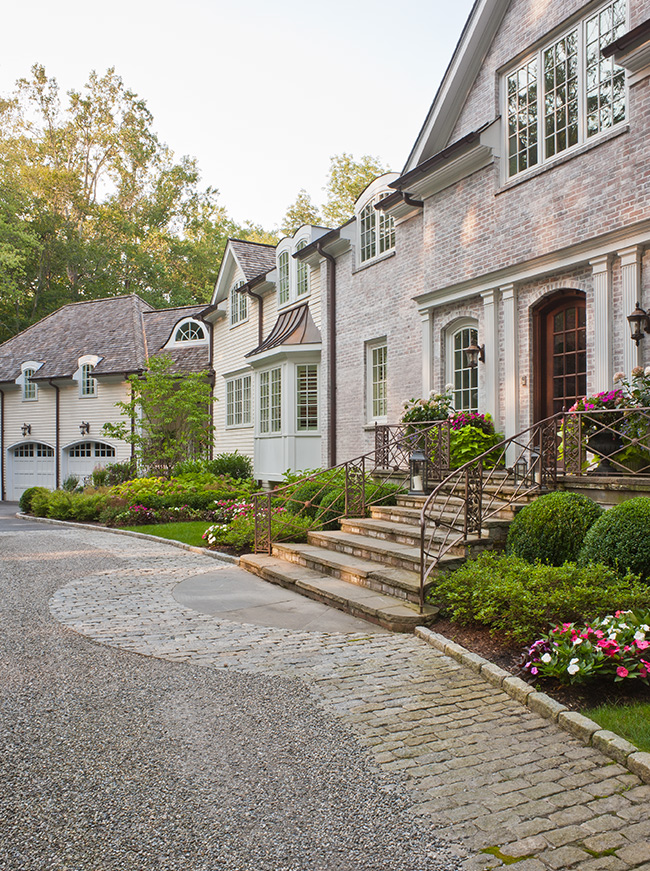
293	274
283	278
30	390
190	331
302	273
238	304
376	230
566	93
88	384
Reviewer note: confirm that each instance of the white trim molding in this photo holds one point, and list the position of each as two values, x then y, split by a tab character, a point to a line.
602	284
631	282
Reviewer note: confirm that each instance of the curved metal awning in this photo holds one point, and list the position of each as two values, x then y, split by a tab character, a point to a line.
293	327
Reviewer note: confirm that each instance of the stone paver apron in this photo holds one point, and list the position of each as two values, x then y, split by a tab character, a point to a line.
479	766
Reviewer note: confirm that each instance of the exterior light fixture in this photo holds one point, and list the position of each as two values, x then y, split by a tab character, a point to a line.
520	470
26	429
418	467
639	322
475	352
84	428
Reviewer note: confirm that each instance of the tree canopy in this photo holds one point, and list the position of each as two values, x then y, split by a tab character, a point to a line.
93	204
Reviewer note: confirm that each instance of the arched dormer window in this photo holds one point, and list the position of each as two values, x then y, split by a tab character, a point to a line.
376	230
283	278
238	304
302	273
88	384
189	331
28	386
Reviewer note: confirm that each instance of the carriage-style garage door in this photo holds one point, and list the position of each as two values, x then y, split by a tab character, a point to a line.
31	464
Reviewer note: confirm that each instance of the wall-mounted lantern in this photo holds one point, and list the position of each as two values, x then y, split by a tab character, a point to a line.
26	429
639	322
84	428
474	353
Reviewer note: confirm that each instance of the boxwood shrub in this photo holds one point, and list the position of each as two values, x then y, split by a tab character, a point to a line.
25	500
552	528
521	600
621	538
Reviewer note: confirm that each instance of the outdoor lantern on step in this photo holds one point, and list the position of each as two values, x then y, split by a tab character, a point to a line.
418	468
520	470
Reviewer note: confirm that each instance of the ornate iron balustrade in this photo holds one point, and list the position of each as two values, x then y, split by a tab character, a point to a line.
349	489
606	442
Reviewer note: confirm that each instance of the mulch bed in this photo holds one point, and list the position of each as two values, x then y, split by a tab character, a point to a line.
508	656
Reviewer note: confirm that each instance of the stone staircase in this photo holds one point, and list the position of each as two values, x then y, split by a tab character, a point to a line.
371	566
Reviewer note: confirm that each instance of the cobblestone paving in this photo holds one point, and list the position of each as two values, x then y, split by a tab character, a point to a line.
479	766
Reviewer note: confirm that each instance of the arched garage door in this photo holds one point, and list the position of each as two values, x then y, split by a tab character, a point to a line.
81	458
31	464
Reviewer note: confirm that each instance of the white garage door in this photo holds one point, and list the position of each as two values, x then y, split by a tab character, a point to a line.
82	458
30	465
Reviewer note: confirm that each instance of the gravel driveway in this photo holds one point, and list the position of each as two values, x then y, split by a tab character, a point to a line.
111	760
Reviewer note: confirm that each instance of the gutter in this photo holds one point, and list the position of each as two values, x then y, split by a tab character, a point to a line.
247	288
212	383
391	200
331	352
3	494
57	439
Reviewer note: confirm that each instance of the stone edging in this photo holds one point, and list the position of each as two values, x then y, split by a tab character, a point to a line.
579	726
215	554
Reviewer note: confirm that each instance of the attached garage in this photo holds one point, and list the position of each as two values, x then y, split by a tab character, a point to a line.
81	458
30	464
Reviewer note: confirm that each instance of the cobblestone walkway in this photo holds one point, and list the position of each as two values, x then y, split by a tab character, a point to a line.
479	766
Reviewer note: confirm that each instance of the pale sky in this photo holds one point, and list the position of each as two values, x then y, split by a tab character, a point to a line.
262	93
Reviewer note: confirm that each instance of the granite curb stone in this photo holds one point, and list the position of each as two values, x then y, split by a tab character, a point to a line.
586	730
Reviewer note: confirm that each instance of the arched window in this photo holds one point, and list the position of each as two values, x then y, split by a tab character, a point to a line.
88	384
238	304
190	331
376	230
462	377
283	278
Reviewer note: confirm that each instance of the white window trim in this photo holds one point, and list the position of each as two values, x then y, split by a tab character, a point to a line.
84	394
245	423
23	380
578	23
314	429
451	331
187	343
372	346
263	412
379	223
291	247
233	295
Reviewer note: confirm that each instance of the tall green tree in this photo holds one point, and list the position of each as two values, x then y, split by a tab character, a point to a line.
347	179
301	211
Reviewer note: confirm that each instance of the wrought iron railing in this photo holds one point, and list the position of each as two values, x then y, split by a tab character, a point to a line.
606	442
323	497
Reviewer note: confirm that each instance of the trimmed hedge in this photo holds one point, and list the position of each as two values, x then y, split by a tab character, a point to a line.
552	529
621	538
521	600
25	500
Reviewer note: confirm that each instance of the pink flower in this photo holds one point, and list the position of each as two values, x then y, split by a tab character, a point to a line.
621	671
642	645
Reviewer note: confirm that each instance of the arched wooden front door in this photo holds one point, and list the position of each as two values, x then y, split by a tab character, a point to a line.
560	352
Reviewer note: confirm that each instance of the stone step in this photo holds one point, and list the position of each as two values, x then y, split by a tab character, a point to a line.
411	516
400	583
394	614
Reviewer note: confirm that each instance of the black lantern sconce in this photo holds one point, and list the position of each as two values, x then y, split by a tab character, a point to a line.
475	352
26	429
84	428
639	322
418	467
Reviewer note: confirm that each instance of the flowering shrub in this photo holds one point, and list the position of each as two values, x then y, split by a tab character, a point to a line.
482	422
616	647
439	406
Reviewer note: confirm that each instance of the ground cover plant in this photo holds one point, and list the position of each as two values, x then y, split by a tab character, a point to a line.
631	721
189	532
552	528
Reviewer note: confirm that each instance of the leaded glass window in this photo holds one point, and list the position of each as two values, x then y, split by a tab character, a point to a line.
567	92
307	397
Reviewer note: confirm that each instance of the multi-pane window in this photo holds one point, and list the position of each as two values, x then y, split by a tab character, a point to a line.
190	331
85	450
376	230
271	401
378	381
307	397
464	377
88	383
283	278
29	387
238	401
33	449
302	273
102	450
238	304
567	92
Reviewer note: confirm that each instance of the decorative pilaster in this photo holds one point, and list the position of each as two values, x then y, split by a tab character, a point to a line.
490	339
510	359
602	349
427	352
631	281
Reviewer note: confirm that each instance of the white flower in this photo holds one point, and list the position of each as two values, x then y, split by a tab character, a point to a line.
546	657
619	376
623	626
646	371
577	641
639	635
573	666
449	388
645	627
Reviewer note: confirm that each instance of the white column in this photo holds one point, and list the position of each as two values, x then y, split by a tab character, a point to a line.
631	280
511	365
427	353
602	348
490	339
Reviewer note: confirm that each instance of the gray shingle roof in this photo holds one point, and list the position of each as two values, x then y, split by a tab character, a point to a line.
253	257
113	329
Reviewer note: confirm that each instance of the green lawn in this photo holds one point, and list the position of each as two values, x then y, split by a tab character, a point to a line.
629	721
189	533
